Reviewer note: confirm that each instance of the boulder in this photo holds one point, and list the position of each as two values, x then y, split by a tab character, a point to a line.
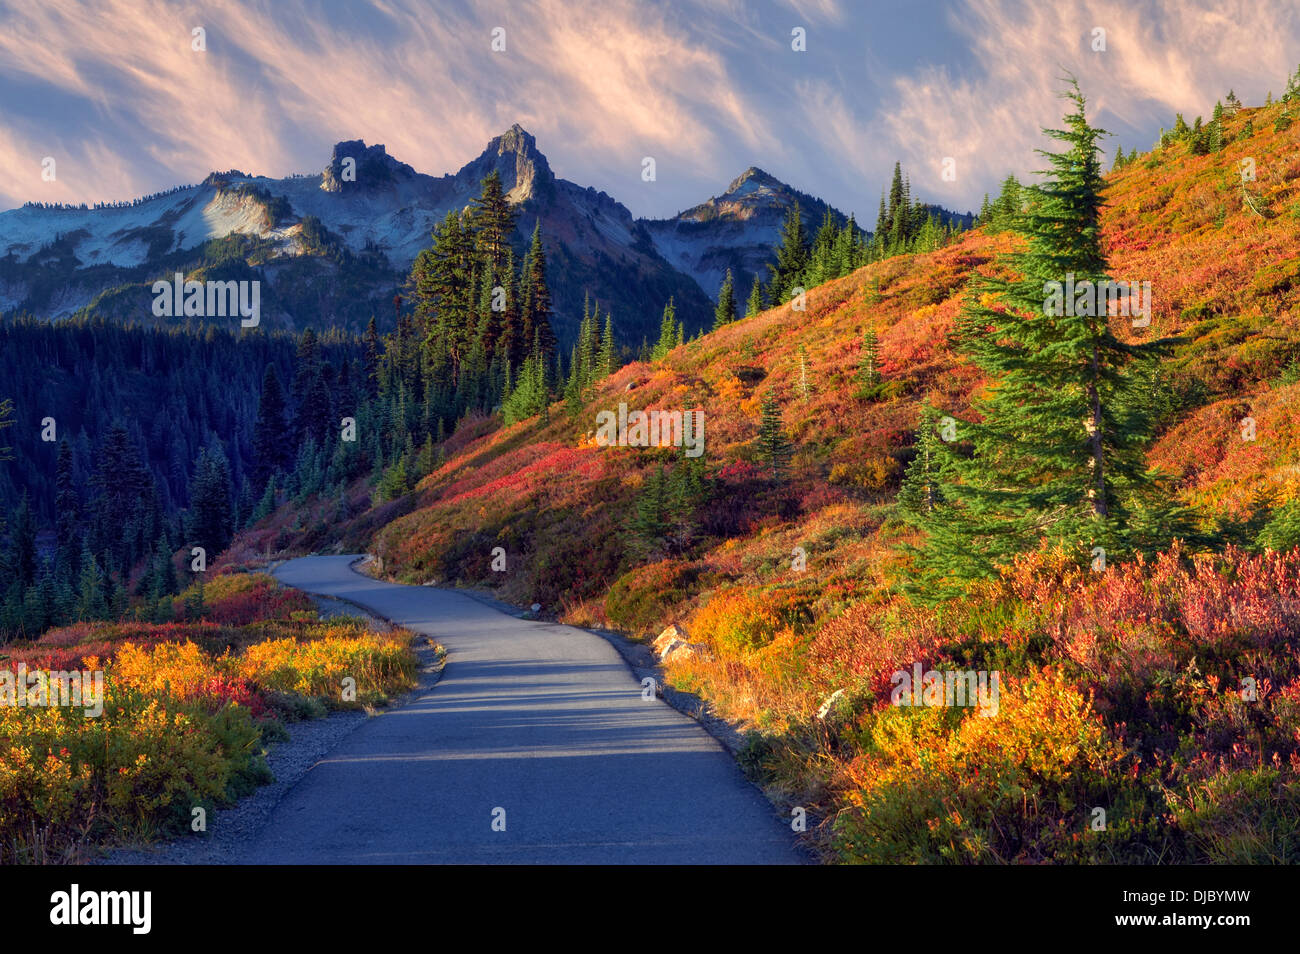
673	632
678	650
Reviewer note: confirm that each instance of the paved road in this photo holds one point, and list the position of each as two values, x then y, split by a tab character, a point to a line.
541	720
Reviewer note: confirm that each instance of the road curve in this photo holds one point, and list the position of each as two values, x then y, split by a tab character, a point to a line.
542	720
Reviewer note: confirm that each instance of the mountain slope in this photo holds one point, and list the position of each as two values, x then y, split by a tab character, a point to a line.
333	248
736	230
1120	667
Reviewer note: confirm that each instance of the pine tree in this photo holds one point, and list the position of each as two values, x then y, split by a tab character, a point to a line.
272	444
1057	450
755	303
791	256
537	320
1007	208
919	493
125	496
493	220
670	333
773	447
210	500
372	359
869	361
605	357
90	603
67	504
25	542
725	312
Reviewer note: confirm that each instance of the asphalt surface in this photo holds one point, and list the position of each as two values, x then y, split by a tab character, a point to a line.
534	724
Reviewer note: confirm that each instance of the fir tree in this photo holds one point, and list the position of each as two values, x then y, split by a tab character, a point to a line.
67	504
919	493
537	321
1057	452
773	447
755	303
670	332
725	312
493	220
210	501
272	444
90	603
605	357
869	360
791	256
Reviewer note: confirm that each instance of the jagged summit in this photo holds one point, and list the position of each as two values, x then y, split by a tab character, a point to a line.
752	179
514	156
371	166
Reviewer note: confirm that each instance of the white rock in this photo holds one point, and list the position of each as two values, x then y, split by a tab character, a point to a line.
673	632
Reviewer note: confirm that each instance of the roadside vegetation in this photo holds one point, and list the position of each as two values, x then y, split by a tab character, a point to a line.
189	709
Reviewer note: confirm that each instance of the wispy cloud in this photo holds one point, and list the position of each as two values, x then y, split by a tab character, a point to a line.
116	94
1159	58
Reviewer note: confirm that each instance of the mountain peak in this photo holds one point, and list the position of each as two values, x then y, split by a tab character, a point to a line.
514	156
370	166
753	179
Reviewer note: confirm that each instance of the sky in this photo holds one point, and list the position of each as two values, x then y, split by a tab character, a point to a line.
117	94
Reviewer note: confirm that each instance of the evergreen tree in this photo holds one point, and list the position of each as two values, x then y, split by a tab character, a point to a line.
670	332
869	359
605	357
210	501
124	500
67	503
372	359
1057	453
1282	532
755	303
493	220
537	320
773	447
530	394
919	493
25	542
725	312
272	444
791	256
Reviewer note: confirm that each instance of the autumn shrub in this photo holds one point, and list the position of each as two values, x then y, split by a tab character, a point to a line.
381	666
188	709
643	598
948	785
137	770
738	621
238	599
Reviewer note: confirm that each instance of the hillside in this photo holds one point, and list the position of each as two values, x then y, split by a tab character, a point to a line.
1157	647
